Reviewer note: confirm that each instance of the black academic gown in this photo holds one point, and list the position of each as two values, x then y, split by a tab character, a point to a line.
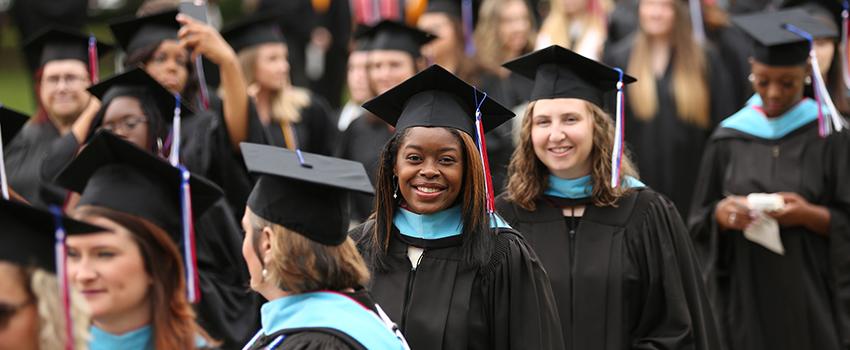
442	304
764	300
628	278
315	133
666	149
24	158
363	142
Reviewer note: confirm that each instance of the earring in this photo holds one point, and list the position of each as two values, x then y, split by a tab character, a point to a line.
808	80
751	78
395	187
159	144
265	274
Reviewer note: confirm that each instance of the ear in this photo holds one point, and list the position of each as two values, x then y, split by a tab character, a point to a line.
266	241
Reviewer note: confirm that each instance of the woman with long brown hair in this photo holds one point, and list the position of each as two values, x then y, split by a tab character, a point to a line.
132	274
580	25
618	255
450	275
680	95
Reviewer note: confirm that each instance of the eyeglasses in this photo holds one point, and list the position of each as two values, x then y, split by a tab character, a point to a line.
8	311
69	79
126	124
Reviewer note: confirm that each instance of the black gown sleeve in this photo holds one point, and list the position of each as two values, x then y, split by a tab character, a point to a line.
708	191
839	228
60	152
314	341
674	311
518	297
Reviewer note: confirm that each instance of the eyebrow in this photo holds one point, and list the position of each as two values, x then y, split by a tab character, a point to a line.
441	150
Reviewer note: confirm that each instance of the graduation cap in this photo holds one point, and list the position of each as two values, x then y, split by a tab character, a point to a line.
113	173
11	122
137	81
254	30
436	97
57	43
304	192
775	44
391	35
133	33
361	40
561	73
28	234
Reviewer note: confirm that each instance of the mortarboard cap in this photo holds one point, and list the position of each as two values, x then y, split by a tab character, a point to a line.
254	30
361	40
391	35
311	200
58	43
561	73
436	97
28	234
11	122
133	33
113	173
137	81
775	45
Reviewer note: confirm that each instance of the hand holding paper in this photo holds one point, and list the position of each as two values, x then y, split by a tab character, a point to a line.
764	230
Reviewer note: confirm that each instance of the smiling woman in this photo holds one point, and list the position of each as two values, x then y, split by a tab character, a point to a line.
471	283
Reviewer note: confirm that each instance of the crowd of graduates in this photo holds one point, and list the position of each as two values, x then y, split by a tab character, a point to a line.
431	174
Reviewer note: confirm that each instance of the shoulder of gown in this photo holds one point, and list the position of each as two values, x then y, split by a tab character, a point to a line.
316	340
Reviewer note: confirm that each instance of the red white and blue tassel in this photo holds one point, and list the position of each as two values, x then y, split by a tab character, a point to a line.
619	131
62	275
189	253
94	73
830	120
482	148
4	184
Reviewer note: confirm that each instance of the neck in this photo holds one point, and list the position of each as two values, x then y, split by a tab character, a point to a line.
273	293
126	322
60	124
264	104
449	62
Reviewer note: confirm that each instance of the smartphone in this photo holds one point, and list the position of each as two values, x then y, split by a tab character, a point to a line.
197	9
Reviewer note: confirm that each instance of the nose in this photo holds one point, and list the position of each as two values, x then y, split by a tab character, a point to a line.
556	134
429	171
82	271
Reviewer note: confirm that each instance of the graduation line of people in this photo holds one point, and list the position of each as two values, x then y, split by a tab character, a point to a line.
577	252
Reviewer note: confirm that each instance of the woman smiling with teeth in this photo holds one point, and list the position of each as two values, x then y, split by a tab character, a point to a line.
620	260
450	278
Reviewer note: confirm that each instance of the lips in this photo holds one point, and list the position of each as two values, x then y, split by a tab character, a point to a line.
428	190
560	151
88	293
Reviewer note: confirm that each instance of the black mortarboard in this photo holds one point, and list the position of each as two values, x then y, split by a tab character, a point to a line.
28	235
137	81
361	40
449	7
391	35
304	192
115	174
11	121
561	73
436	97
777	46
133	33
253	30
57	43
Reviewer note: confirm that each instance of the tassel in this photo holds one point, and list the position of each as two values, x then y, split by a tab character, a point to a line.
695	7
619	131
468	16
202	82
62	276
174	157
845	30
189	253
94	73
4	184
831	120
482	148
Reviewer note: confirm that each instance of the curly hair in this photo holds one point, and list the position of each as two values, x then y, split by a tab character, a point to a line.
528	177
42	286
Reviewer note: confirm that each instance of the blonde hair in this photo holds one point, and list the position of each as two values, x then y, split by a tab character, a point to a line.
556	25
528	177
689	87
489	51
300	265
286	105
44	287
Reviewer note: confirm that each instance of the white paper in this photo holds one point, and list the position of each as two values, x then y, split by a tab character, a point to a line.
764	230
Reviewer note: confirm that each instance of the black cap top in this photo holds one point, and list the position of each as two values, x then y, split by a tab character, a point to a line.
115	174
436	97
254	30
133	33
58	43
135	82
449	7
11	121
777	46
361	40
391	35
561	73
307	195
28	235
